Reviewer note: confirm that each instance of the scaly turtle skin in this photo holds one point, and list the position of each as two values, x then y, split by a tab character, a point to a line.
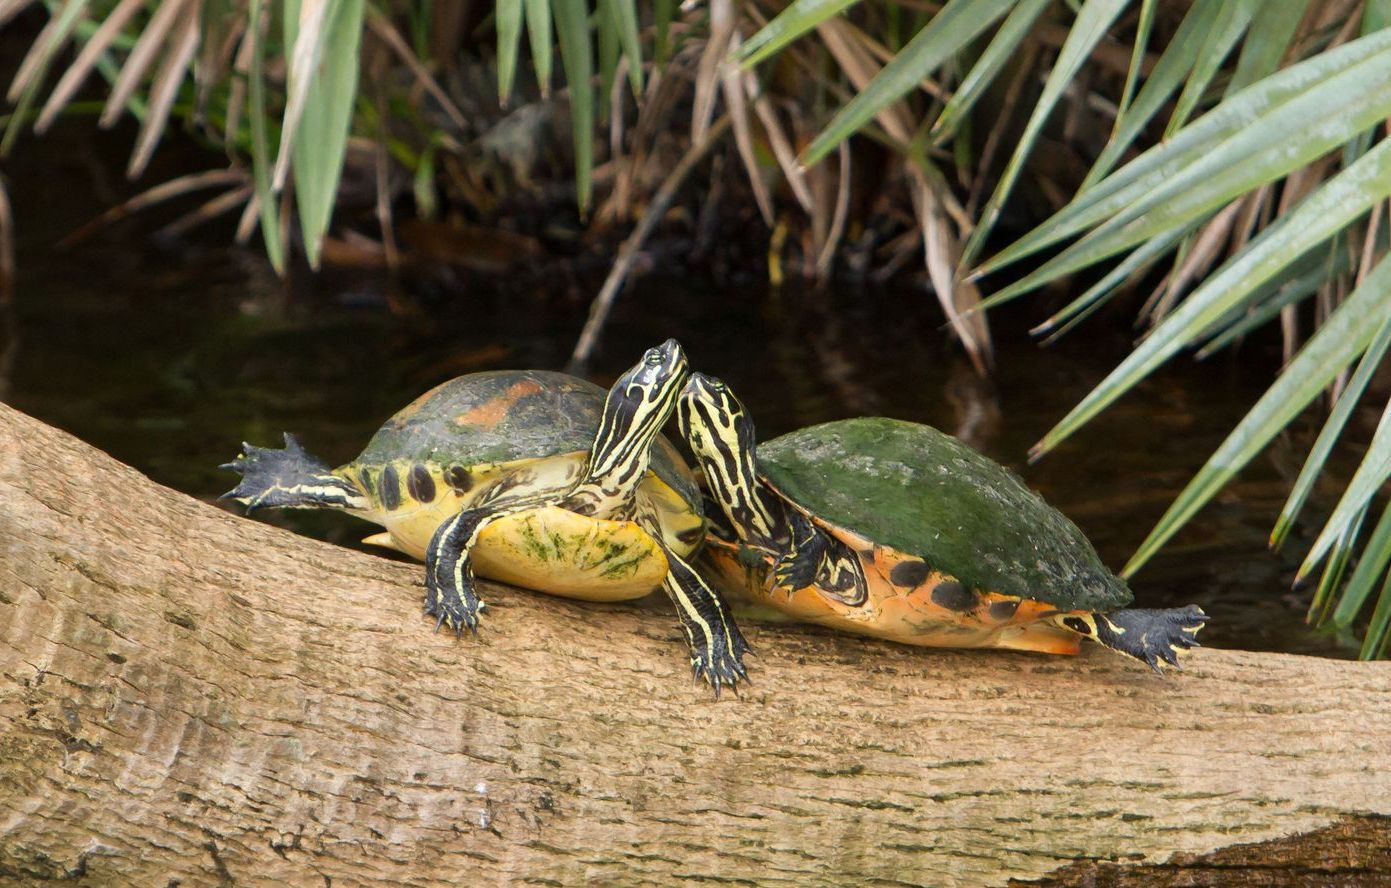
895	530
533	478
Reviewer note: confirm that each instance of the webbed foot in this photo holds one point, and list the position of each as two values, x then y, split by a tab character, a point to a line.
797	566
287	478
722	665
455	607
1150	636
717	646
795	570
450	594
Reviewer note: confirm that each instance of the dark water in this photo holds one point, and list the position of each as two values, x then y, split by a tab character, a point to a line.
168	356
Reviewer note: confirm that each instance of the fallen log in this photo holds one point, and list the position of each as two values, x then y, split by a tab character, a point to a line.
188	697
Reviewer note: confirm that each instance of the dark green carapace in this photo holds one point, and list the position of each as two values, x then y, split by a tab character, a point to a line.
503	416
912	488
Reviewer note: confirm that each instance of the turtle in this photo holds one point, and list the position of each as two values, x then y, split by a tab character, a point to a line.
893	529
535	478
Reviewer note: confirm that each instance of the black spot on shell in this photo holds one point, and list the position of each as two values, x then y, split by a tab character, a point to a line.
953	596
1077	624
420	484
1003	610
458	478
909	574
389	491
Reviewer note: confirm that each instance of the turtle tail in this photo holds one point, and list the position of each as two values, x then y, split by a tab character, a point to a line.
1146	635
289	479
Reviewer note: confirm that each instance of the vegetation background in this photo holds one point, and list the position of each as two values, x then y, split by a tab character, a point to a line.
1208	168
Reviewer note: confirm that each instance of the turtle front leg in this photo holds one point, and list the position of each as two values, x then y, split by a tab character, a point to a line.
449	587
1147	635
717	647
815	558
797	566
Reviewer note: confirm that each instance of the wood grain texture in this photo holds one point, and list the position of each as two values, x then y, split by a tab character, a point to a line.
190	697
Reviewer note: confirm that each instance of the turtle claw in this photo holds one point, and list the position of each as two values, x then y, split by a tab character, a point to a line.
1151	636
456	608
722	669
287	478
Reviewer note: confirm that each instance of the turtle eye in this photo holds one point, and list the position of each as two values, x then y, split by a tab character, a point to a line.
652	358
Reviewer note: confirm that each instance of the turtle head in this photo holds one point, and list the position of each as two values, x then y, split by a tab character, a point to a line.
657	378
714	421
636	408
721	435
288	479
642	399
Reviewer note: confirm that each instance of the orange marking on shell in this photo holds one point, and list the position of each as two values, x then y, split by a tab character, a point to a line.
900	613
488	414
401	416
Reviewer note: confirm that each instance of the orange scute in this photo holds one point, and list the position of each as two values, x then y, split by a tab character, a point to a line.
488	414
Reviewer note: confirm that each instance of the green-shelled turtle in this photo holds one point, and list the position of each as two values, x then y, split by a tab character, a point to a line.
896	530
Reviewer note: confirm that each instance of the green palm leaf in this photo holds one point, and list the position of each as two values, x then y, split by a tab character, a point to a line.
509	36
577	55
260	141
1331	78
797	19
1332	429
538	29
321	142
1232	20
946	34
1003	45
1327	211
1094	18
1338	342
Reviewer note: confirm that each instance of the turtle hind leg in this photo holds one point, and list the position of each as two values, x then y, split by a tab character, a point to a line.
1147	635
289	479
449	587
717	646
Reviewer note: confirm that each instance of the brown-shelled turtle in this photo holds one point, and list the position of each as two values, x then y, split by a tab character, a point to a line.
895	530
530	477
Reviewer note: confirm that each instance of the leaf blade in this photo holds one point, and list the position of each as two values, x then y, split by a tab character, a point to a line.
1338	342
949	30
1337	202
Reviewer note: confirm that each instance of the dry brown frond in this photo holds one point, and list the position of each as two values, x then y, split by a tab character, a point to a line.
722	21
388	34
40	53
838	218
165	88
207	211
778	141
152	38
6	249
11	8
161	192
86	59
733	91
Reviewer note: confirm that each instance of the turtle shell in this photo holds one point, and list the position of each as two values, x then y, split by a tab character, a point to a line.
507	415
911	488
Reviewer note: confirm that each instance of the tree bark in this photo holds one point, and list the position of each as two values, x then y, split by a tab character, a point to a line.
191	698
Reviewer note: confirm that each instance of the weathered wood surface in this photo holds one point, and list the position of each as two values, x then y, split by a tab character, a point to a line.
190	697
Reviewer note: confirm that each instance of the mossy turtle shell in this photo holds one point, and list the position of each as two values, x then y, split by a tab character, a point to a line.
508	415
914	489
